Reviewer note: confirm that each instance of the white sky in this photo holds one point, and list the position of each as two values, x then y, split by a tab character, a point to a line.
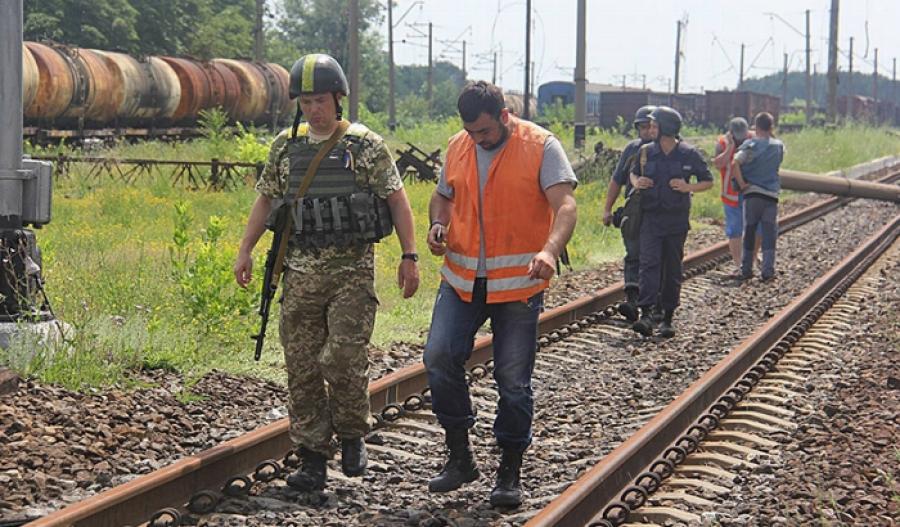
637	37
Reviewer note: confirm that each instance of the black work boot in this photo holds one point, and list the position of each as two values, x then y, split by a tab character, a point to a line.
353	456
311	474
628	308
508	490
645	325
666	330
460	467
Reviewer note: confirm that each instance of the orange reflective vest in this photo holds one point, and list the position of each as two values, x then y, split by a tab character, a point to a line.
730	196
517	216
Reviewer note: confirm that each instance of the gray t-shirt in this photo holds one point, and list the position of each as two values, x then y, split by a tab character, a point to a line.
555	169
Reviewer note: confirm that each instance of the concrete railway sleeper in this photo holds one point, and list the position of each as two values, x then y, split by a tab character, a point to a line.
407	430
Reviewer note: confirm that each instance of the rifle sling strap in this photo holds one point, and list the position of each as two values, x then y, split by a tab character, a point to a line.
304	186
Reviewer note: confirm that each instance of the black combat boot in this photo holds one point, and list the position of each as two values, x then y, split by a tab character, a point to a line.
353	456
628	308
508	490
666	330
311	474
460	467
645	325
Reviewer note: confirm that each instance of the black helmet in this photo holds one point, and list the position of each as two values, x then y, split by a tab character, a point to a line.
642	115
668	119
317	73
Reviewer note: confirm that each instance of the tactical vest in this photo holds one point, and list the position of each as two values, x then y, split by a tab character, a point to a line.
336	211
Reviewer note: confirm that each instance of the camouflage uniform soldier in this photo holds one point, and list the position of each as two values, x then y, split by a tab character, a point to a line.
329	302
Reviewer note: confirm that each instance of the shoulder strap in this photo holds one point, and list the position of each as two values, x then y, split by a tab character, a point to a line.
644	157
304	186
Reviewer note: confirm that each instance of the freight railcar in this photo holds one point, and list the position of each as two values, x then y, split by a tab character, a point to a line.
721	106
83	89
605	103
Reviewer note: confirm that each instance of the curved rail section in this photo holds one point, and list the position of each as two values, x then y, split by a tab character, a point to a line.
621	481
172	486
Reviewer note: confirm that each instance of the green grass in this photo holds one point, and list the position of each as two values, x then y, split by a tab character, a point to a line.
143	272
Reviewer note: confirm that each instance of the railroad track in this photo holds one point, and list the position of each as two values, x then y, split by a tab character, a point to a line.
698	444
568	333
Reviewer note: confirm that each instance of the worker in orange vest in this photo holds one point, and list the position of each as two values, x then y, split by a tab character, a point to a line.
732	200
501	215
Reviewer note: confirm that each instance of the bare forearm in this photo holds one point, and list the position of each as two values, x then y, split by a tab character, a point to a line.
736	173
256	224
439	208
700	186
612	194
401	214
562	229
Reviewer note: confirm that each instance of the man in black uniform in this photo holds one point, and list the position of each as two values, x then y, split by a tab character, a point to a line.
622	178
662	176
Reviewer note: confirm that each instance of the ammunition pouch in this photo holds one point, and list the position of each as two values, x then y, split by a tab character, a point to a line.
340	221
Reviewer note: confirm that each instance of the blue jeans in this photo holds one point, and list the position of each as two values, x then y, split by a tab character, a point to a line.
760	212
450	341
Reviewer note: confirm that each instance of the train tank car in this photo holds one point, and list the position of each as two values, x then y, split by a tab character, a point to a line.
30	77
94	92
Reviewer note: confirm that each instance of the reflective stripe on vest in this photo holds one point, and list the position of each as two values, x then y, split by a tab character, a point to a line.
730	196
517	216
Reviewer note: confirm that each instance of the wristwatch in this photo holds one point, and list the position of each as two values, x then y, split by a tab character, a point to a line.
410	256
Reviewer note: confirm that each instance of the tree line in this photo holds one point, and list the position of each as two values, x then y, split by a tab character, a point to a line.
206	29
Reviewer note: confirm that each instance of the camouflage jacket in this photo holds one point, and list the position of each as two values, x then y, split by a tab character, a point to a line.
374	166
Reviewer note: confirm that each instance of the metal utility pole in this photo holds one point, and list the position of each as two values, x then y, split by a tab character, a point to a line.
392	106
580	75
850	70
815	83
741	74
875	79
25	193
494	71
354	60
464	74
808	77
894	82
11	116
259	49
527	93
832	61
430	65
784	81
677	53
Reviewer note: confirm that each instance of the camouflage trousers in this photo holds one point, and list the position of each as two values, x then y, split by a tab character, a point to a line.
326	323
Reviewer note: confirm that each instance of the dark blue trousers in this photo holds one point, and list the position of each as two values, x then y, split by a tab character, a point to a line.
661	271
450	341
632	263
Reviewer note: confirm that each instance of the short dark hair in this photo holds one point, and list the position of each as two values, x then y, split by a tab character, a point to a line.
764	121
480	97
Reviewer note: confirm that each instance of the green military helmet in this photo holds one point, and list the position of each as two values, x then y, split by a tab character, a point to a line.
318	73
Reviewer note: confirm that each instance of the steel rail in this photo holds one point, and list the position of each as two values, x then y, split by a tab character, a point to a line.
585	499
134	502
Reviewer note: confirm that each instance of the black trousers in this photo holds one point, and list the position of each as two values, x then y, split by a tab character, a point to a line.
660	270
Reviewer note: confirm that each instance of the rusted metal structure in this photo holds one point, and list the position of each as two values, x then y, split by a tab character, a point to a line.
723	105
82	89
